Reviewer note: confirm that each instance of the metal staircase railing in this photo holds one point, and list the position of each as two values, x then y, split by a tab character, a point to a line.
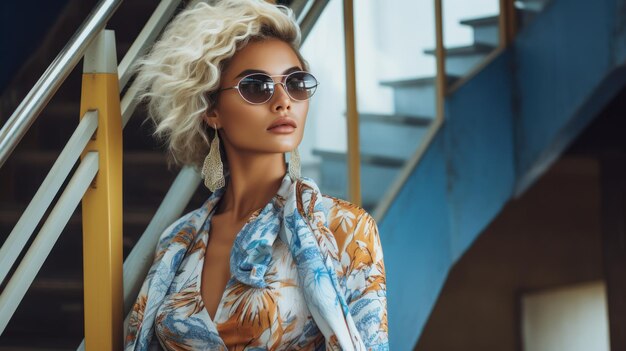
39	96
92	37
83	41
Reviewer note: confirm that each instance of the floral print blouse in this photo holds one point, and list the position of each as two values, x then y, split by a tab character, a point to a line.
276	316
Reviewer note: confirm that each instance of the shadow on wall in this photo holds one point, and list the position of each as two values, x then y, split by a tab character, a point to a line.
548	237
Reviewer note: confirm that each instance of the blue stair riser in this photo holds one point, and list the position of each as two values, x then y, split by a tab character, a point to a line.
390	139
486	29
462	65
415	100
489	35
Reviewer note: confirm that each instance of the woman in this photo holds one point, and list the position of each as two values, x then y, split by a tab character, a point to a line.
268	262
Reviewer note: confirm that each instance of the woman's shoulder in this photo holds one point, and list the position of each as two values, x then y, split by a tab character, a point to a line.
349	223
340	207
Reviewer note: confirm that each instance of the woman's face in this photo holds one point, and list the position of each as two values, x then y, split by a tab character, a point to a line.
244	126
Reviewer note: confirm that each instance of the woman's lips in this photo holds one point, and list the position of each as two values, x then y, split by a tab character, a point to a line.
282	129
283	121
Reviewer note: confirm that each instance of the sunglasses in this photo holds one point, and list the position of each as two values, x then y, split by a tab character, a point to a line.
258	88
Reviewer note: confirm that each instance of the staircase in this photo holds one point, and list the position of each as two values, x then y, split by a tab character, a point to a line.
387	142
502	129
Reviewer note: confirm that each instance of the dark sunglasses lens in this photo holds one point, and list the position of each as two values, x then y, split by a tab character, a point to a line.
301	85
256	88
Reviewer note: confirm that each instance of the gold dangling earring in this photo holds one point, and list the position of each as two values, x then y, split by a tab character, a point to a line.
294	164
213	169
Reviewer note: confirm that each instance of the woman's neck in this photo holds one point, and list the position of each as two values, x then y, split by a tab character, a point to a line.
254	181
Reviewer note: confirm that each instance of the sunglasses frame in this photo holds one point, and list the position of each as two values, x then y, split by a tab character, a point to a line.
317	83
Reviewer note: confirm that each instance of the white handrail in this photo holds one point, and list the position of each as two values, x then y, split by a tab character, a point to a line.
60	170
41	201
46	238
129	103
140	258
37	207
37	98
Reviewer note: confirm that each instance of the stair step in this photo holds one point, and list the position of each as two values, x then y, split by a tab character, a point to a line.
486	29
481	21
48	157
375	160
405	120
46	347
473	49
462	59
416	82
55	285
416	96
391	135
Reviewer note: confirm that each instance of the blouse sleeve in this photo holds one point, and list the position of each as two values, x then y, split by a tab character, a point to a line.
366	284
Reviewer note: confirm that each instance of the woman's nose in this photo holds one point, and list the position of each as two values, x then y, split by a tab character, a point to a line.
280	99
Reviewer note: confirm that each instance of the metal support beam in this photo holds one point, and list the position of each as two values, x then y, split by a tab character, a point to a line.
39	250
44	196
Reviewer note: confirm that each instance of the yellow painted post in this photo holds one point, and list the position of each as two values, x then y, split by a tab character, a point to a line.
442	77
102	203
507	22
354	157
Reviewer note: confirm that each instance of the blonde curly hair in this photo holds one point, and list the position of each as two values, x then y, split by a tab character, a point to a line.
180	74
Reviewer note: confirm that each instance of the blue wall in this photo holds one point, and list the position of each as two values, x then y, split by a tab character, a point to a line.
567	69
479	152
462	181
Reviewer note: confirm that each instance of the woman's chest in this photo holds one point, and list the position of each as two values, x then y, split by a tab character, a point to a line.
275	317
